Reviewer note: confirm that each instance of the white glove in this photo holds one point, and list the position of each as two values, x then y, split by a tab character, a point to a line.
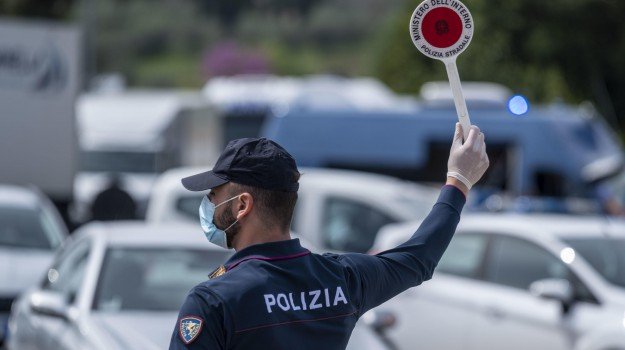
468	162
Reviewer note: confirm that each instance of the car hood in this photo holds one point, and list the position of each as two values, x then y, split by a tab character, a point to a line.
136	330
615	296
22	268
153	330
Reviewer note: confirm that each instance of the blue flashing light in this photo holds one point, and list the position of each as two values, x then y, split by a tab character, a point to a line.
518	105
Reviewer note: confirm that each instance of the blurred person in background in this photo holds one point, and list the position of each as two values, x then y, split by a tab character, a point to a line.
275	292
607	199
113	203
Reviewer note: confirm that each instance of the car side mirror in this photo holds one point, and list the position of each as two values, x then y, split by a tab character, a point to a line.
49	303
379	320
554	289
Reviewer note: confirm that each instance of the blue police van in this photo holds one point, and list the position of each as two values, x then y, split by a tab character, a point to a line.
554	150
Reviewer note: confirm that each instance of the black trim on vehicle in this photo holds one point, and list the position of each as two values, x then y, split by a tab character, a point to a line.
5	304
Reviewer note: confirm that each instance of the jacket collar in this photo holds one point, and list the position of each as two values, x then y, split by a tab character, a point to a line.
271	251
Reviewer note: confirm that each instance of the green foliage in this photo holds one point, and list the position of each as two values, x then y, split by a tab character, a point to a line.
333	38
49	9
571	49
310	60
169	70
161	42
152	45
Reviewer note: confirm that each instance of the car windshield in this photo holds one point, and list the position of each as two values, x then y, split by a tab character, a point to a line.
155	279
122	161
31	228
606	255
189	205
419	207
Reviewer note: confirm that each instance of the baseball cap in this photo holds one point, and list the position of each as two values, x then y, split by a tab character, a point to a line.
257	162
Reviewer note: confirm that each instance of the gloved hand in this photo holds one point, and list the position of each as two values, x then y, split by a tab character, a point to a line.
468	162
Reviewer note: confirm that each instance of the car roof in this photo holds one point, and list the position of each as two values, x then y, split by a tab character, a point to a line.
16	196
356	180
154	235
134	118
532	226
314	178
310	92
560	226
170	179
143	234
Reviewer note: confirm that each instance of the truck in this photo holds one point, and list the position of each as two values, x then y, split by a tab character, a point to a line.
40	77
550	150
133	135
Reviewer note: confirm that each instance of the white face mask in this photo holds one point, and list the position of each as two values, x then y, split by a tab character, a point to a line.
212	232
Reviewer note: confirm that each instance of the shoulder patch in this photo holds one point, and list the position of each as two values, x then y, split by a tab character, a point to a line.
189	328
218	272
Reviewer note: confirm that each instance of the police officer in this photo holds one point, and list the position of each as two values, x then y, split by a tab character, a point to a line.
274	293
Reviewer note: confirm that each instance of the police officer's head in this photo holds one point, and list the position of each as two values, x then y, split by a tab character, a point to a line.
254	186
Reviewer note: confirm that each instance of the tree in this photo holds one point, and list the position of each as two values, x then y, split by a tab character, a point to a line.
546	49
227	12
50	9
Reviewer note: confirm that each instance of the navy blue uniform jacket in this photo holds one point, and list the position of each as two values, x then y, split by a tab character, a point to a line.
279	295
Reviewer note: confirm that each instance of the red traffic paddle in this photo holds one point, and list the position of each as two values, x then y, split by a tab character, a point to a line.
442	29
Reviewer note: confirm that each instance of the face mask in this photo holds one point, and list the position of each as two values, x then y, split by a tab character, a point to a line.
212	232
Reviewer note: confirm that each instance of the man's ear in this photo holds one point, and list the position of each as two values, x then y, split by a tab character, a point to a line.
244	205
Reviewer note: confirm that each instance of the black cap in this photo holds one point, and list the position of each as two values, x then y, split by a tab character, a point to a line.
251	161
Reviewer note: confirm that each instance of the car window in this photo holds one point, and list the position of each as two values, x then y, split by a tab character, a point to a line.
464	256
67	274
121	161
27	228
349	225
518	263
156	279
189	206
605	255
51	226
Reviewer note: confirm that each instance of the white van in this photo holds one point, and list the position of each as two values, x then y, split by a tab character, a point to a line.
134	134
336	210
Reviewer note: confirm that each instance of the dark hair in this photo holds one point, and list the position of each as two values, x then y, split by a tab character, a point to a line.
275	206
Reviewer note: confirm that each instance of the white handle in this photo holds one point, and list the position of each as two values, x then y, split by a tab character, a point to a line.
459	101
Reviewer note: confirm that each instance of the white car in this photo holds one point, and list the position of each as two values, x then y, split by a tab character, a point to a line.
120	286
336	210
30	231
517	282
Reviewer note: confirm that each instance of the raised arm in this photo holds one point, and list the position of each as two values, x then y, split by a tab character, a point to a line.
382	276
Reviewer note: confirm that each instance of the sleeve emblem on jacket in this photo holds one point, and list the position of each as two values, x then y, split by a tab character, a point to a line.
189	328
